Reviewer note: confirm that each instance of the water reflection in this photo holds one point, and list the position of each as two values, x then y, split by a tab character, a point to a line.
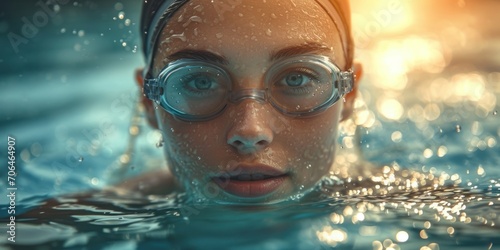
394	209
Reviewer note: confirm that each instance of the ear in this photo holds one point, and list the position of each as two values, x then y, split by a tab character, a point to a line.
351	97
148	104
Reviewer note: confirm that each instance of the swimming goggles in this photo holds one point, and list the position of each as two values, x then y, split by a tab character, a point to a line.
299	86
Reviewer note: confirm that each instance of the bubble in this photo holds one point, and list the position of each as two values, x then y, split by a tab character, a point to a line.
121	15
36	149
458	128
81	33
159	144
94	181
124	159
480	170
402	236
423	234
63	30
396	136
442	151
80	159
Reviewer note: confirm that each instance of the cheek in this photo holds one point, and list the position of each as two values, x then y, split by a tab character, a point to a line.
190	142
312	146
317	145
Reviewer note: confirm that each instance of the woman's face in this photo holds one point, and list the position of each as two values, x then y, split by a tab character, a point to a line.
251	152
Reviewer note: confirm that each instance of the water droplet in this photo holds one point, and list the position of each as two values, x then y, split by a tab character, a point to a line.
81	33
458	128
297	107
269	32
198	8
172	129
180	36
94	181
63	30
195	19
160	142
308	166
495	112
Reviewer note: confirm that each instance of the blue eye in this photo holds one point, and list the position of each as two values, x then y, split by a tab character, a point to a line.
199	84
202	83
296	79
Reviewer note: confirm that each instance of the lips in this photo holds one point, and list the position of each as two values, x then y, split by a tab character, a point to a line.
251	180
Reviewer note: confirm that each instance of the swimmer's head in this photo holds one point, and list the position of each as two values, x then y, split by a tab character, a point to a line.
248	94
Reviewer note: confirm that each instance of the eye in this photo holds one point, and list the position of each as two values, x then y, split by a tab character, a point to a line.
296	79
199	84
202	83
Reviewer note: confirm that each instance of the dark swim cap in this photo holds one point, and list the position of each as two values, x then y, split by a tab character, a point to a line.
156	13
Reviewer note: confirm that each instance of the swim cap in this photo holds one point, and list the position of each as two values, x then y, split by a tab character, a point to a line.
156	13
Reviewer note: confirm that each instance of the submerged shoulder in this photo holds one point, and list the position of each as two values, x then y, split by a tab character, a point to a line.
157	182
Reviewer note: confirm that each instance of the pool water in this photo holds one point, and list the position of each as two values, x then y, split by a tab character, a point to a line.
417	166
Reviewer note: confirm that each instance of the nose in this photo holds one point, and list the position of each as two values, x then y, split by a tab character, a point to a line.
250	131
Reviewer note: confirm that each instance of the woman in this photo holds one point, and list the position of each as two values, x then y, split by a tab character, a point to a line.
248	95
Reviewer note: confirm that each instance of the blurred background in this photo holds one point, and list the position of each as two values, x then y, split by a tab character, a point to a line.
429	95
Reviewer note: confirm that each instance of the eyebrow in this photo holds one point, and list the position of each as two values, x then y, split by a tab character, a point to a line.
203	55
306	48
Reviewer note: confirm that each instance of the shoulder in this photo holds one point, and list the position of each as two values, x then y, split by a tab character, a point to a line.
157	182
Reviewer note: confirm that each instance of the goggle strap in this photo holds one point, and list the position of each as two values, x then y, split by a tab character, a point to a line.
152	90
346	82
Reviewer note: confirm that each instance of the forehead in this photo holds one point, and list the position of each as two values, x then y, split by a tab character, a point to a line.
237	29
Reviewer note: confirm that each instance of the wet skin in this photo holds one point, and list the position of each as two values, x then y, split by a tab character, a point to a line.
251	152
